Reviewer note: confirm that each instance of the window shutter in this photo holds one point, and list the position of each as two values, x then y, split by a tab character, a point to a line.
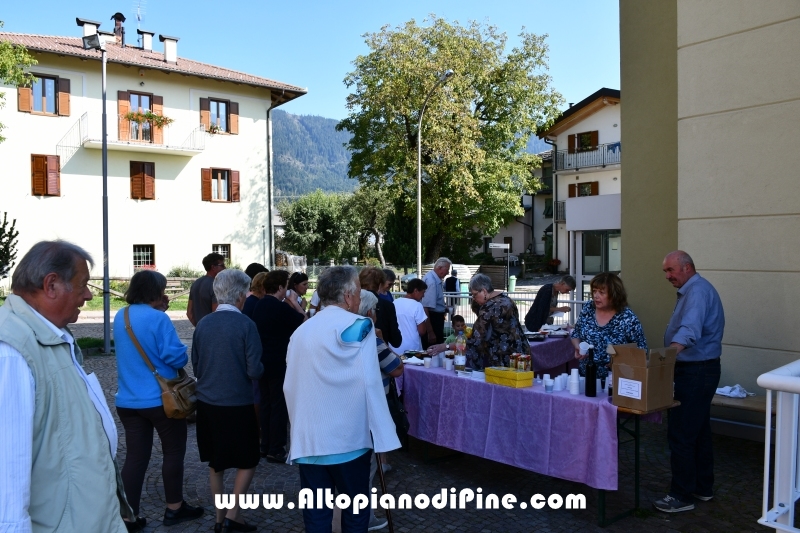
63	97
234	185
25	99
595	188
573	190
149	174
123	108
233	120
38	175
205	114
594	139
571	144
53	176
137	180
205	184
158	109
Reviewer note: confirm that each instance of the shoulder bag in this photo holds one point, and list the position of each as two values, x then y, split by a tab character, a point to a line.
398	412
177	395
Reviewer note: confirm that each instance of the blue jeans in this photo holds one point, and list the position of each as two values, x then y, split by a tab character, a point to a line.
349	478
689	431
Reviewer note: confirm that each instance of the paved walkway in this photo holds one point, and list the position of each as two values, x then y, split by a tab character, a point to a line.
736	505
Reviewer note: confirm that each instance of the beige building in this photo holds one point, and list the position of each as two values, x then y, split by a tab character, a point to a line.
175	192
712	121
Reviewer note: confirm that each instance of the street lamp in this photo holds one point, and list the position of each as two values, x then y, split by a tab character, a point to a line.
93	42
442	79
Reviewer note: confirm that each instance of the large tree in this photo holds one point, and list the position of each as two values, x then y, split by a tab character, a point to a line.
13	62
316	226
367	209
474	130
8	245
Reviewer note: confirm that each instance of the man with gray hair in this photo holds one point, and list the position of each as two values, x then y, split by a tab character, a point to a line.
57	454
433	302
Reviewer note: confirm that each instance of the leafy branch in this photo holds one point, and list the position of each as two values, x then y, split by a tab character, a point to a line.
158	121
8	245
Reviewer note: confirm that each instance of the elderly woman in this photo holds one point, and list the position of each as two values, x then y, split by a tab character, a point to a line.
226	356
138	396
372	279
336	403
605	320
497	332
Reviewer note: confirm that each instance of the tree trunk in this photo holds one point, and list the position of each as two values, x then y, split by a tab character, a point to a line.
378	249
435	247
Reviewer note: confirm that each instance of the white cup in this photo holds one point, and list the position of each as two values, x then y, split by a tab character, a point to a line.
574	374
448	364
427	362
582	383
436	362
546	377
548	385
574	387
557	385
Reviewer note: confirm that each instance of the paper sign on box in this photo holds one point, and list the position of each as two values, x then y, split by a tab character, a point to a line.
642	379
630	388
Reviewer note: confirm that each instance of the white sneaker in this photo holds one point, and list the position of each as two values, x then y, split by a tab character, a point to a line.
377	523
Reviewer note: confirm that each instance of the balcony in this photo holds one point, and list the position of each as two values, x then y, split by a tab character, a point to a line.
602	156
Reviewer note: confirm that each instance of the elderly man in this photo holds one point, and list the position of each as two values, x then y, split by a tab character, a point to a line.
57	466
433	302
695	330
546	303
201	294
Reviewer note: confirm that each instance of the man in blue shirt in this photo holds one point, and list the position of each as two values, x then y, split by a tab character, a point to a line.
695	330
433	302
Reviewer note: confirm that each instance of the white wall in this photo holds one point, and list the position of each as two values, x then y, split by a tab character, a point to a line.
603	121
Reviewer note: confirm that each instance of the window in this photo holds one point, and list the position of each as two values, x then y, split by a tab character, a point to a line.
45	175
548	208
601	251
589	188
48	95
219	116
139	130
144	257
222	249
582	142
143	180
219	185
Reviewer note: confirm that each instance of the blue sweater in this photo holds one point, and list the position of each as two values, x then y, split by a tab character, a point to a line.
137	388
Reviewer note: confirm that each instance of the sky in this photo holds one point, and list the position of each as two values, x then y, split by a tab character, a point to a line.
312	44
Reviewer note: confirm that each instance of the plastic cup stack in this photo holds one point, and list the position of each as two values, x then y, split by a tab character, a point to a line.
427	362
574	382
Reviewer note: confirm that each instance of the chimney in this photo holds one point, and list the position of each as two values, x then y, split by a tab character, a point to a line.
119	29
170	48
147	39
106	36
89	26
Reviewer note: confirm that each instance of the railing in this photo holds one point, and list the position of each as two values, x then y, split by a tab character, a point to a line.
604	154
72	141
560	211
786	483
196	139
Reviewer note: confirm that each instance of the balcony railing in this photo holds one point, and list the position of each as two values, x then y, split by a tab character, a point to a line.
560	211
603	155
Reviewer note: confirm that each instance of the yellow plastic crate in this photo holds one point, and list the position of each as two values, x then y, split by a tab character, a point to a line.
508	377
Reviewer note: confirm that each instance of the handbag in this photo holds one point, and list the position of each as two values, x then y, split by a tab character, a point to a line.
177	395
398	412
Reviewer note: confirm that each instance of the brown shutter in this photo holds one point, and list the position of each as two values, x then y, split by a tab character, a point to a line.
595	188
123	107
137	180
53	176
25	99
594	139
149	172
573	190
158	109
234	118
234	185
205	113
571	144
38	175
63	97
205	184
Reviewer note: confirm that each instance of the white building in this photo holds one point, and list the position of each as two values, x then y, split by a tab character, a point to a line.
200	184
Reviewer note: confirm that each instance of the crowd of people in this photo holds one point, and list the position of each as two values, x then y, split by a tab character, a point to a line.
267	359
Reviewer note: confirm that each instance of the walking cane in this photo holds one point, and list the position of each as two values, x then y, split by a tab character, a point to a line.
383	488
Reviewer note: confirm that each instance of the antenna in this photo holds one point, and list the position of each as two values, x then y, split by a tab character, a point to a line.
140	10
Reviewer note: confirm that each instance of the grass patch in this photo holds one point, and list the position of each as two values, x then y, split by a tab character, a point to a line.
96	304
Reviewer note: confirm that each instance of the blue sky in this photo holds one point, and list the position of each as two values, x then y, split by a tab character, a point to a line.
312	44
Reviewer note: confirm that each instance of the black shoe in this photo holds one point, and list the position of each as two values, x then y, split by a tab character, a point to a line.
276	458
231	525
137	525
668	504
703	498
218	527
184	513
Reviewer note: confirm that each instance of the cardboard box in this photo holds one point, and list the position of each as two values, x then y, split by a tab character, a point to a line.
642	380
509	377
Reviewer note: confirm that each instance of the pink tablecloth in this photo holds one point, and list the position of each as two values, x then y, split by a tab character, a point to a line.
556	434
552	353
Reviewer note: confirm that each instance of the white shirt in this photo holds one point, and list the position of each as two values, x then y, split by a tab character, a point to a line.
410	314
17	401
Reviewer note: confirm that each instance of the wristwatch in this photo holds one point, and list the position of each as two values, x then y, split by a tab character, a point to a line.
447	346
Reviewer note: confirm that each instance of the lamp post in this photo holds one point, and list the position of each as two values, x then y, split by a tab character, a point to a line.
93	42
442	79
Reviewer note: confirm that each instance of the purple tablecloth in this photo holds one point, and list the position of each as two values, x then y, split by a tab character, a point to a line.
551	353
557	434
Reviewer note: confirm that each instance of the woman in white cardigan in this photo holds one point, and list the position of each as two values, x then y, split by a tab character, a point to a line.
334	394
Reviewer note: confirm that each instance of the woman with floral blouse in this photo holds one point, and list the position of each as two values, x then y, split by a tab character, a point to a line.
605	320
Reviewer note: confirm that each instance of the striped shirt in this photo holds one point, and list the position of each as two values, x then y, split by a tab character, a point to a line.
388	362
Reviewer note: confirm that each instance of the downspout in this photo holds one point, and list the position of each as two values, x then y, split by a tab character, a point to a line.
270	185
555	195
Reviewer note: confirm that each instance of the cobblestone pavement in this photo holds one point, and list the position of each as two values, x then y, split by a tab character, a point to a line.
735	507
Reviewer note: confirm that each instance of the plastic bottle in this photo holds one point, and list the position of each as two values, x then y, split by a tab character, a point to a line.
461	345
591	374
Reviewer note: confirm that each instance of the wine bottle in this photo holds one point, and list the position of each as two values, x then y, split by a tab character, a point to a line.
591	374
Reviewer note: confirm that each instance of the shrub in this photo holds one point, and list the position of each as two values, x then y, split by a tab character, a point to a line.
185	271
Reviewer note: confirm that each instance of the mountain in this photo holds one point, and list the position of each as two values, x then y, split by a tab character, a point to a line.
537	145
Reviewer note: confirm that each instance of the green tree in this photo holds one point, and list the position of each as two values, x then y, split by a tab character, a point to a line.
316	226
475	127
401	241
8	245
367	209
14	60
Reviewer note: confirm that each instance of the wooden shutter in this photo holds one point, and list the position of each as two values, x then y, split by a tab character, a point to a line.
123	107
233	119
234	186
594	139
573	190
571	144
63	97
149	173
53	176
25	99
38	175
137	180
158	109
205	113
595	188
205	184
